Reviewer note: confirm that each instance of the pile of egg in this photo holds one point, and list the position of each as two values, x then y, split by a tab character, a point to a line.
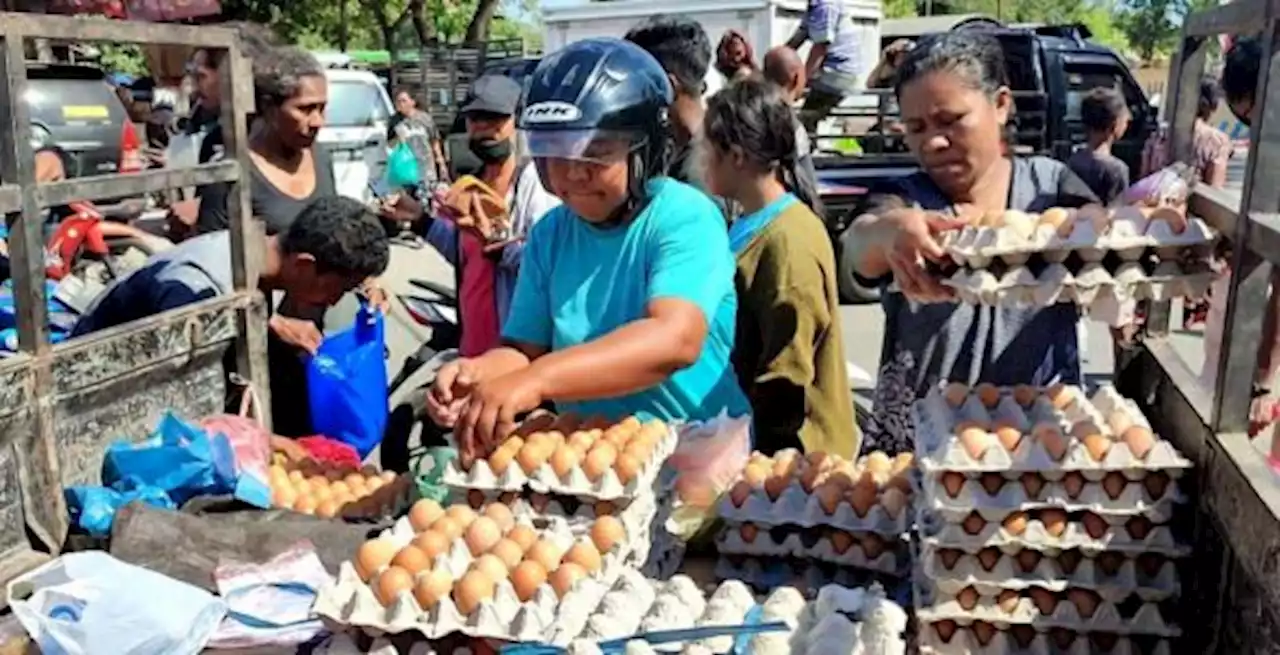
875	479
1045	571
328	490
593	446
502	550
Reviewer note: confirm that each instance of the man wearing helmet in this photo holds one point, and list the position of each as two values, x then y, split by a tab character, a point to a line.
625	302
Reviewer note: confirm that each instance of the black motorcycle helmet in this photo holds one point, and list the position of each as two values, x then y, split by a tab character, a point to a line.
602	88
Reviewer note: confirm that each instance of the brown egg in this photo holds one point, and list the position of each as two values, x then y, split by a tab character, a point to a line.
1156	484
862	497
1150	564
461	514
1062	637
786	464
432	544
1008	600
584	554
306	503
372	556
749	531
988	394
1054	521
739	493
627	467
1118	421
500	460
894	501
974	523
1028	559
878	464
811	477
1008	434
1032	483
841	541
474	588
492	566
774	485
976	441
1052	439
501	514
1139	440
448	527
828	496
482	534
1023	635
431	587
509	552
546	553
607	532
526	578
475	499
1104	642
903	461
872	545
956	393
988	558
564	577
1110	562
967	598
945	629
564	460
696	491
1114	483
328	509
992	483
1073	484
1068	560
283	497
412	559
984	632
953	482
755	474
1025	394
532	456
599	460
1176	220
1097	445
1094	525
539	502
1016	523
949	557
1060	396
391	583
523	535
1085	600
1046	601
1139	527
605	508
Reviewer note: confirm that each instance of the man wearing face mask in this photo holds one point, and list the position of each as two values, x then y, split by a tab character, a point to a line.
486	271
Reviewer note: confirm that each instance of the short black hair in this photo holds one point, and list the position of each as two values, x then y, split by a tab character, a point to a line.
1240	69
1101	108
1210	97
680	45
342	234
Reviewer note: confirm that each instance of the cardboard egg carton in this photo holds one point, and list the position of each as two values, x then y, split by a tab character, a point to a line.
893	558
1036	536
766	573
1113	576
351	602
1093	286
964	641
795	506
940	449
1127	232
1155	496
544	480
1063	612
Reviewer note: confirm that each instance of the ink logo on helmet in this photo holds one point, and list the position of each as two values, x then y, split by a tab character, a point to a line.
550	112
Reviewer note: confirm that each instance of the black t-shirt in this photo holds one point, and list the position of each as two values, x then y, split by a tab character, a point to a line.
1106	175
270	204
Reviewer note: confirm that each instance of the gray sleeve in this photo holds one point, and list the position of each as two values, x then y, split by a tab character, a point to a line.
182	285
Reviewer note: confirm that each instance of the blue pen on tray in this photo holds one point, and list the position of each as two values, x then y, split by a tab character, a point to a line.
660	637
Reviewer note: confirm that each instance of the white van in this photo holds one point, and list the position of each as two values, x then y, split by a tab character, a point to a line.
355	131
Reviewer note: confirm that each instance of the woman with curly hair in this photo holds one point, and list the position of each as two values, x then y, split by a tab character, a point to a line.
735	58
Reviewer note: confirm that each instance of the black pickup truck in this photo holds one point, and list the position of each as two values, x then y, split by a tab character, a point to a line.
1050	70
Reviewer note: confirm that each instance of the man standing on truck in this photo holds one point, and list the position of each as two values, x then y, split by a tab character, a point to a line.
833	65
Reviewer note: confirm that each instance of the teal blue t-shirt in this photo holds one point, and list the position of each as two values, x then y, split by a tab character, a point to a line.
579	282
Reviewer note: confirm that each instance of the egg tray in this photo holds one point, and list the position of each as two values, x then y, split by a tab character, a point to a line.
938	449
351	602
1092	285
963	642
570	509
1129	235
894	560
1125	618
765	573
544	480
1160	539
839	620
795	506
1049	573
1135	499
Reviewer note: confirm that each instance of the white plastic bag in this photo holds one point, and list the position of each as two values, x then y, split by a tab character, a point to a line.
90	602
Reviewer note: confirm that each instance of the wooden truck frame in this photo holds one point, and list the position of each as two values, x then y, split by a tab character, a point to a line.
61	405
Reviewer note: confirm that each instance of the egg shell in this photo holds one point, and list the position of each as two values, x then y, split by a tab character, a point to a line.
474	588
533	455
564	460
774	485
448	527
627	467
1054	521
988	558
412	559
372	556
1139	440
1008	600
841	541
1109	562
500	460
1085	600
1097	445
873	545
1008	434
599	460
991	483
1051	438
475	499
1046	601
391	583
584	554
1094	525
509	552
894	501
432	543
1156	483
462	514
949	557
1113	484
526	578
1032	483
482	534
974	523
749	532
976	441
1016	523
946	629
523	535
952	482
956	393
739	493
755	474
1138	527
967	598
501	514
431	587
1028	559
607	532
564	577
1069	560
492	566
546	553
982	631
988	394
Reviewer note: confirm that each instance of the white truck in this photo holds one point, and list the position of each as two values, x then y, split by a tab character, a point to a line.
766	23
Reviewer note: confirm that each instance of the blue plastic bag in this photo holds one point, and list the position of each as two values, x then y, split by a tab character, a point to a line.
347	384
180	459
93	509
403	171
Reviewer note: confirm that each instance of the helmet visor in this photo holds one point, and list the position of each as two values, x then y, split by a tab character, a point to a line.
589	145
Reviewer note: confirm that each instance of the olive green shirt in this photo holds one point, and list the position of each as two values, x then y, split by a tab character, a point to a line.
788	355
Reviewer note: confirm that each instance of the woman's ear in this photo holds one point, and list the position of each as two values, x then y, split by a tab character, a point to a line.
737	157
1003	101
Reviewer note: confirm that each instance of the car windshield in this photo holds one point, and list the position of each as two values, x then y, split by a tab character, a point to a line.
354	104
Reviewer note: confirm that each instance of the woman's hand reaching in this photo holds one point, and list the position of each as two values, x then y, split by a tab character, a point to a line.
915	244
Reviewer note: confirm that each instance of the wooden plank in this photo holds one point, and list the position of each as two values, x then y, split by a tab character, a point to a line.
18	483
63	28
89	360
1236	17
134	184
17	384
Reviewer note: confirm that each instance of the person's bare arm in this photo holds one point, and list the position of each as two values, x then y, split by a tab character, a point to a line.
798	38
442	167
865	244
635	356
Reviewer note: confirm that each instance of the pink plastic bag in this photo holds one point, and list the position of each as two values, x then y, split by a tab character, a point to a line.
251	442
706	461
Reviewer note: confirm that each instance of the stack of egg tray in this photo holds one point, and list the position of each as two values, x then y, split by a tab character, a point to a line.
1103	261
1047	523
817	519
